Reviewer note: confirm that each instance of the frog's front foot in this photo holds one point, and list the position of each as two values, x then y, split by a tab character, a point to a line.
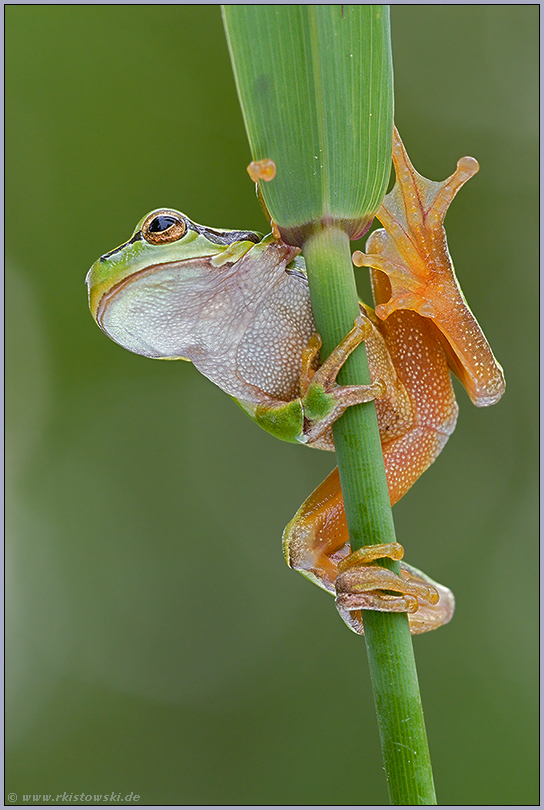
362	585
323	400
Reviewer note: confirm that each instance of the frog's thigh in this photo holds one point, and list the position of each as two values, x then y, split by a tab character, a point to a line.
419	412
317	537
409	456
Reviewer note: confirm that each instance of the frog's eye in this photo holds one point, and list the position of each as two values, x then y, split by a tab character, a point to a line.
159	229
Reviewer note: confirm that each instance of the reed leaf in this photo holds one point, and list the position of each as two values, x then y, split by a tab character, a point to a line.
293	62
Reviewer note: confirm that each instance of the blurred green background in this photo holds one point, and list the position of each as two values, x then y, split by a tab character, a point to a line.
157	643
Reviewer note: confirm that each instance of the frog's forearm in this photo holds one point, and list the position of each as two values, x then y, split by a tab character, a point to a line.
307	419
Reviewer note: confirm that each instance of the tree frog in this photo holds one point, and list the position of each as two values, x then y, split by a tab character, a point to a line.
237	305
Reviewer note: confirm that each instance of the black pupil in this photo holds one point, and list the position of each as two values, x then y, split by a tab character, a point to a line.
160	224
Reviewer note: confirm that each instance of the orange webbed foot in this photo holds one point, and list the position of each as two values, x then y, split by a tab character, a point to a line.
316	543
413	254
412	250
360	586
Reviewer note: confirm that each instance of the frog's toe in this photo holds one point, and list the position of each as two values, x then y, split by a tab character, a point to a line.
324	401
362	586
262	170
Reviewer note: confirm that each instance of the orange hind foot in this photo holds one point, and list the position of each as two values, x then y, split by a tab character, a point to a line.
360	585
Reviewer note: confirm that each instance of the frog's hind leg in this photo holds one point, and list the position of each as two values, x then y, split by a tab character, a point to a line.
317	537
419	411
415	418
316	543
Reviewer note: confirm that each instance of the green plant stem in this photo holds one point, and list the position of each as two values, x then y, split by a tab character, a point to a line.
316	88
368	511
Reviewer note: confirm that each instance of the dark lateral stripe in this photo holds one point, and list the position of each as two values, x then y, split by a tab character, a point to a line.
224	237
137	236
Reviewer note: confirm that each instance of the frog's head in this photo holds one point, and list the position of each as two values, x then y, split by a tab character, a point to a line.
162	239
